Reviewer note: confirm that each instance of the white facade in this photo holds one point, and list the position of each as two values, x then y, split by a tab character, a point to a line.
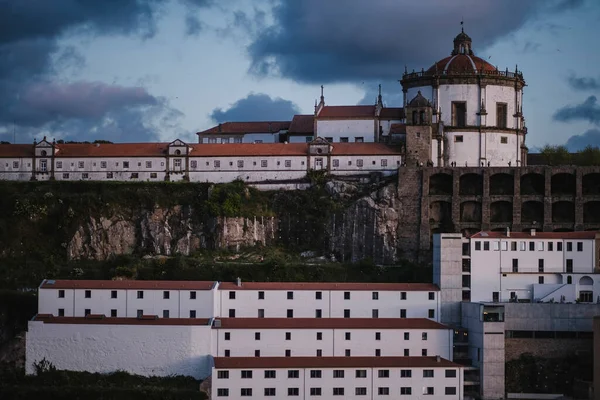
149	350
350	379
279	300
350	130
332	338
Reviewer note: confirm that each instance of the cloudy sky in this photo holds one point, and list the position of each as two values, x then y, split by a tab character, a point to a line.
144	70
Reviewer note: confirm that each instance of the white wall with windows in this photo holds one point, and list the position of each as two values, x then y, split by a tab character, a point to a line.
347	130
321	380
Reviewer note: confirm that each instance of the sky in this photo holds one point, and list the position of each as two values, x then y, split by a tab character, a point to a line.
157	70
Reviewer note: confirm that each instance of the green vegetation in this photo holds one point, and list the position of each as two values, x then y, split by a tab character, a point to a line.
560	155
50	383
530	374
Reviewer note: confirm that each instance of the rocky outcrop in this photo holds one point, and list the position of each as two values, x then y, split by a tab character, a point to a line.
166	231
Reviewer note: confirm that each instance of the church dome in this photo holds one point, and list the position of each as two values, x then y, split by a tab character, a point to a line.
462	60
419	101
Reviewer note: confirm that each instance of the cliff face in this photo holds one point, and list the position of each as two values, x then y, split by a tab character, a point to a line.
166	231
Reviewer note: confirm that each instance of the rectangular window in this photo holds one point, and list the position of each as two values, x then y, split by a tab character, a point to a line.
346	295
288	336
450	390
406	391
361	373
256	335
359	163
569	266
550	246
134	175
431	313
288	163
458	139
428	390
541	280
85	175
431	295
263	163
513	246
427	373
177	163
336	163
522	246
315	373
569	246
503	139
227	353
343	140
424	352
148	164
61	294
61	312
403	313
347	336
319	353
270	374
360	391
359	139
246	374
383	373
318	313
501	115
347	353
16	164
288	353
540	246
165	313
346	313
315	391
338	391
256	353
383	391
406	352
459	114
223	375
65	176
319	335
88	311
405	373
81	164
579	246
232	313
402	295
515	265
377	352
293	374
140	294
192	295
217	163
541	265
486	246
222	392
375	295
450	373
192	313
338	373
384	163
109	175
193	164
424	336
531	246
232	295
261	313
88	294
293	391
374	313
261	295
559	246
166	294
318	295
477	246
329	139
377	335
290	313
153	175
246	392
269	392
290	295
113	313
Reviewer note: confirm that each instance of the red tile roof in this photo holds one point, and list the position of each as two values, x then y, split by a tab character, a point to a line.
302	124
121	321
538	235
407	287
249	149
16	150
330	323
342	112
364	149
248	127
331	362
461	63
126	284
398	128
391	113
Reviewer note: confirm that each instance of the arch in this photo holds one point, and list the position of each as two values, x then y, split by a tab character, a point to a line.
502	184
563	212
440	213
532	211
440	184
471	185
533	184
501	211
422	117
470	211
591	212
591	184
563	183
415	118
586	280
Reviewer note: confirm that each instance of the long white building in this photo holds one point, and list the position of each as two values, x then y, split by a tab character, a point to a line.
176	161
337	377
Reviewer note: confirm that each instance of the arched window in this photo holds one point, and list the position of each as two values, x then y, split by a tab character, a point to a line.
422	117
586	280
415	116
178	152
44	153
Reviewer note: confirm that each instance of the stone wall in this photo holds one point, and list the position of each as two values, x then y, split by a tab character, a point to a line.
546	348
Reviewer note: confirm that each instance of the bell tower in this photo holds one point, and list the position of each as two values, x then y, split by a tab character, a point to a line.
418	130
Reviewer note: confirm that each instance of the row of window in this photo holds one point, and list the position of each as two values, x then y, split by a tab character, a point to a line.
114	313
459	139
338	391
337	373
541	265
319	313
114	294
347	336
503	245
319	295
319	352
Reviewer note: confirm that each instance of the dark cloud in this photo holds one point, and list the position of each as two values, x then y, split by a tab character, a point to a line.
193	26
32	100
391	93
583	83
580	142
586	111
352	40
257	107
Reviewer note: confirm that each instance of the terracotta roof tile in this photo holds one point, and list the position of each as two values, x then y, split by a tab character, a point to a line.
398	128
331	362
302	124
408	287
248	127
16	150
330	323
538	235
357	112
249	149
126	284
392	113
121	321
461	63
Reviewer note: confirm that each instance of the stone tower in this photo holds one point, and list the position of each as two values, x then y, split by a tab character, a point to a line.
418	130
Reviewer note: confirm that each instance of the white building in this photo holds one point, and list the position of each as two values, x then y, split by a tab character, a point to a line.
337	377
477	108
175	161
328	300
331	337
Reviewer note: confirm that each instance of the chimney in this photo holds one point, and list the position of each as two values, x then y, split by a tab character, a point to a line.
507	231
438	359
533	232
238	282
